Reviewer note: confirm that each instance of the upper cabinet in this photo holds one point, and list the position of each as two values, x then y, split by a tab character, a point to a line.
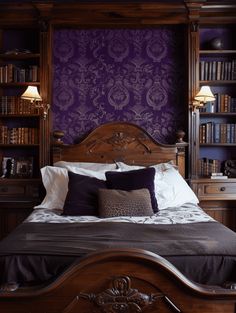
20	120
217	119
212	63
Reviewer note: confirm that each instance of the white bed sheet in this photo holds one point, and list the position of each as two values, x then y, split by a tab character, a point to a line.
187	213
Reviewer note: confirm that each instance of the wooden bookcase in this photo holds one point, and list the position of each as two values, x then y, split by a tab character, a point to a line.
212	128
23	148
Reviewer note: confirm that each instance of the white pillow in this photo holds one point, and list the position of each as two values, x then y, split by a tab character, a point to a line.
170	187
55	180
100	167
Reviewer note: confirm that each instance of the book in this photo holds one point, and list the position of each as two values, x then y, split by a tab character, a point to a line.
217	174
219	177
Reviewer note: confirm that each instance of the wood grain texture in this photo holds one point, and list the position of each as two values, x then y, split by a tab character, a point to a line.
120	141
119	280
115	281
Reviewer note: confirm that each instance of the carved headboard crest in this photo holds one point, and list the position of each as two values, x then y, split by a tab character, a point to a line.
119	141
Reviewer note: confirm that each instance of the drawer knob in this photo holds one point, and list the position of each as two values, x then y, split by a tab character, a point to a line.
222	189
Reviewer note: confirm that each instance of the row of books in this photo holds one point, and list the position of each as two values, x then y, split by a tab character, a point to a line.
11	73
217	70
19	135
17	167
16	105
211	132
223	103
208	166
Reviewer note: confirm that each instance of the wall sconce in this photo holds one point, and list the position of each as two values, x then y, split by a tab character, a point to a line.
204	95
33	96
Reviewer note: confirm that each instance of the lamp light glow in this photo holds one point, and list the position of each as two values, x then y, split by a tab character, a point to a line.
32	94
204	95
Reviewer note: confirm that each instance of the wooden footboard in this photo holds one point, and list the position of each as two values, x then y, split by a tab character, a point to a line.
120	281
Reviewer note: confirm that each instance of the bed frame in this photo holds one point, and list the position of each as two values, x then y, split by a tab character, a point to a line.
119	280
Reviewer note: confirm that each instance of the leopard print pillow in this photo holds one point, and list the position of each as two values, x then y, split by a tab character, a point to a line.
114	202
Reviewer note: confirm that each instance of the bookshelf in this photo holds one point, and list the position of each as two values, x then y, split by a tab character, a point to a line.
22	125
213	127
217	120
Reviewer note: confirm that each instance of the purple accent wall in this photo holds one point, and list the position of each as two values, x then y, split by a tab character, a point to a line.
134	75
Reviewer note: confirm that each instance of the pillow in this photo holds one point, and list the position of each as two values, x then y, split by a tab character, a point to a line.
82	196
171	189
100	167
131	180
113	202
55	180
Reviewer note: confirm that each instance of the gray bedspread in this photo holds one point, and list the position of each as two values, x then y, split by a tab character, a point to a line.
204	252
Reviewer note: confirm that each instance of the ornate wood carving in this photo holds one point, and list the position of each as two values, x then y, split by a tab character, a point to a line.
118	141
121	298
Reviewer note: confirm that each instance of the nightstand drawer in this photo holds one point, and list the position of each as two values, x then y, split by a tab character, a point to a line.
18	190
12	190
217	190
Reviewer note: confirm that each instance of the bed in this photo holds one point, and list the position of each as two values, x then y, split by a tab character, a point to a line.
66	257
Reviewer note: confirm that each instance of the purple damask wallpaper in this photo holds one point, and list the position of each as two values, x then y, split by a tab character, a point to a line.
134	75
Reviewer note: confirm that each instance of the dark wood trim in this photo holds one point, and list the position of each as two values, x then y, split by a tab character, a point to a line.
120	141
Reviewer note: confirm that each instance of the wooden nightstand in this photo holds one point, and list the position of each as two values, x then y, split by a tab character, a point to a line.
17	199
217	198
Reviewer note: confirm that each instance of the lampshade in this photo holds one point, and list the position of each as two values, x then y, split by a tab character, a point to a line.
204	95
31	94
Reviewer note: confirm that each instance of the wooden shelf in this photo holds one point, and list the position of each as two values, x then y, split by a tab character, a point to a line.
19	115
18	84
218	144
19	56
2	145
217	52
217	82
215	114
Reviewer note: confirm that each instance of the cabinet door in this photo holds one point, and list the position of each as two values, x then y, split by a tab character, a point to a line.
222	211
17	199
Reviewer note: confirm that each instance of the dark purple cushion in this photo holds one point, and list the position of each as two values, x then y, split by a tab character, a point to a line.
82	196
131	180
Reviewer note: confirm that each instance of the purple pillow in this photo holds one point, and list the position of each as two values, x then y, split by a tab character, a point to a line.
82	195
132	180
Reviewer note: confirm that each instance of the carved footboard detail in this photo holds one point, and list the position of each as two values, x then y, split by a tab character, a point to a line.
120	281
122	298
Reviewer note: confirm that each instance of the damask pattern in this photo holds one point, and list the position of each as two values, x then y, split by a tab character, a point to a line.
104	75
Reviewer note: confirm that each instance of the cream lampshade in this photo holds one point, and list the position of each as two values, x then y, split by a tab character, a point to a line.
204	95
31	94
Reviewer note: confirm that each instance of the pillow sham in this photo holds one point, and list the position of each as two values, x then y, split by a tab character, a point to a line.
82	196
55	181
114	202
132	180
100	167
171	189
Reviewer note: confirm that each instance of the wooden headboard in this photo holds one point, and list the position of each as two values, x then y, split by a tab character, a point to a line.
120	141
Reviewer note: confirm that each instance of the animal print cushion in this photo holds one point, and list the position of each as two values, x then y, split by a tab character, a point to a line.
114	202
